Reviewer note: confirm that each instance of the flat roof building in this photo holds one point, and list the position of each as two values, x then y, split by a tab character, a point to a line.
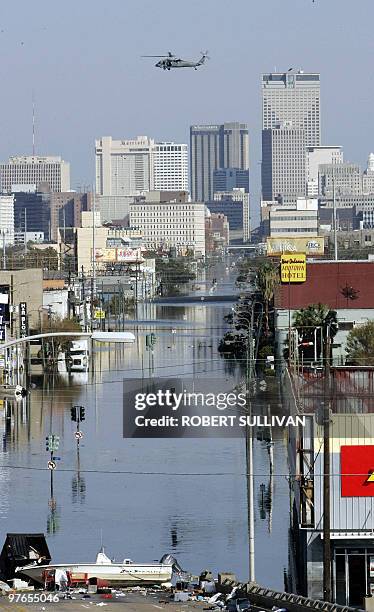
173	223
214	147
293	96
34	170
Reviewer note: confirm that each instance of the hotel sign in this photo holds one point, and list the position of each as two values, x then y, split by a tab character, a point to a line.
314	245
293	268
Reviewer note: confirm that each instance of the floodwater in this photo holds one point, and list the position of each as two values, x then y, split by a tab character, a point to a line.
144	497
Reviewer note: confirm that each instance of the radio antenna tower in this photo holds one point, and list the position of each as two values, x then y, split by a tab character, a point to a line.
33	124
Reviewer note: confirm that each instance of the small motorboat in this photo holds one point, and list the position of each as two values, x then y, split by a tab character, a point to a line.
122	574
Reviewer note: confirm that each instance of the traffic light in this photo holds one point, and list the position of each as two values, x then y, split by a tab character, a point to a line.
55	442
52	442
73	412
82	412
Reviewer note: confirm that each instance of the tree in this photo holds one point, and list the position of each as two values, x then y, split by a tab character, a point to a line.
360	345
267	280
172	273
307	320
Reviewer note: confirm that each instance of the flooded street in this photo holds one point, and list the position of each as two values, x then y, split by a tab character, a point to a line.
146	496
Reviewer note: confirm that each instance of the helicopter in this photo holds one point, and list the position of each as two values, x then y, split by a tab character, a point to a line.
172	61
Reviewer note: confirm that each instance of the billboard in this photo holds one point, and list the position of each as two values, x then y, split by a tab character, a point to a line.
357	470
128	254
106	255
293	268
120	255
314	245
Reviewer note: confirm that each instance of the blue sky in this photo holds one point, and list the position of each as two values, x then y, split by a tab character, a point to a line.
82	59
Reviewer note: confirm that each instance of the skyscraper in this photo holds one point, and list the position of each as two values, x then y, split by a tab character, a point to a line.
292	97
213	147
123	167
170	166
130	167
283	163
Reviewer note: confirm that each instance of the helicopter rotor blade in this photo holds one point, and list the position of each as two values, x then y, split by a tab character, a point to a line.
153	56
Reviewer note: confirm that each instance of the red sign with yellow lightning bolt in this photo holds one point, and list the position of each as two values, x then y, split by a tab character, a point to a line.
357	470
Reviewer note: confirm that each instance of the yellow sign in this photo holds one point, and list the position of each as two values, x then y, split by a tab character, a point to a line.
106	255
293	268
314	245
99	314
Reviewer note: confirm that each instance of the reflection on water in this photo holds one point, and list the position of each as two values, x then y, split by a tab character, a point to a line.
147	496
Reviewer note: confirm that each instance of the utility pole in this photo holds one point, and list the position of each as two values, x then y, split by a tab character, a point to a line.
249	449
326	475
93	279
334	217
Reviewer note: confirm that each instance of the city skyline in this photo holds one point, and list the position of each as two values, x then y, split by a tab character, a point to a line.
90	71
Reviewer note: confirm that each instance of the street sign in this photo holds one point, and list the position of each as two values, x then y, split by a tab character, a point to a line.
99	314
23	320
78	435
51	465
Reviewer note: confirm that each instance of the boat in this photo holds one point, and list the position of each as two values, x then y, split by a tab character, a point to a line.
122	574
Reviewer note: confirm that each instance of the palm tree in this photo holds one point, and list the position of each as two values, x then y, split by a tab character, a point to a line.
267	280
307	320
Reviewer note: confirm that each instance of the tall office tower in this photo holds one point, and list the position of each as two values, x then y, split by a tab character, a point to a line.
24	171
123	167
345	177
6	220
170	166
283	163
213	147
315	156
227	179
293	96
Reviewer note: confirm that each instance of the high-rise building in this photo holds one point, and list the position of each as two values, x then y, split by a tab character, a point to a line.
292	97
123	167
227	179
213	147
283	163
234	204
66	210
131	167
32	212
6	219
170	166
315	156
34	170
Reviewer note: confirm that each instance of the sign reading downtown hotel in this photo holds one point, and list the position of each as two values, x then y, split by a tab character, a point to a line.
293	268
